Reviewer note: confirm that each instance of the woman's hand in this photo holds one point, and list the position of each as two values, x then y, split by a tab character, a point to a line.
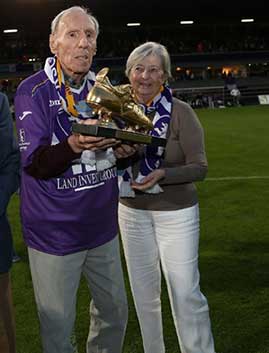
150	180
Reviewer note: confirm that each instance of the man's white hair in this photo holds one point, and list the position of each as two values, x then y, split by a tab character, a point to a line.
55	22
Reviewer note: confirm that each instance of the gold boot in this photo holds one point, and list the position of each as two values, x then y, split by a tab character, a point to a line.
117	101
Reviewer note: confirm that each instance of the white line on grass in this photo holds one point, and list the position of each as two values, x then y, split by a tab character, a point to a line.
254	177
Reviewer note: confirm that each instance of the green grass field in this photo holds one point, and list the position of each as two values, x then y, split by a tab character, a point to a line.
234	245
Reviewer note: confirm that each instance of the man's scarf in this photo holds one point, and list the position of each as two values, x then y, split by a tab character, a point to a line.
152	156
77	112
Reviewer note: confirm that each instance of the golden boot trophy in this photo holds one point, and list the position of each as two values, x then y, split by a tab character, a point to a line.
121	117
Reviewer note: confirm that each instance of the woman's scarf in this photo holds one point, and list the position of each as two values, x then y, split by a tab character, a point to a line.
152	156
77	112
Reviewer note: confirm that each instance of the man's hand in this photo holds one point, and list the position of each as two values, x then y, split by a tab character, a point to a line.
124	150
79	142
150	180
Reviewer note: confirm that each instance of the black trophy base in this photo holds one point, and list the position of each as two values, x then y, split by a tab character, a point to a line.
123	135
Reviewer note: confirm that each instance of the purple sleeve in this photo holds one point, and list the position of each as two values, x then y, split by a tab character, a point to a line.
33	126
39	158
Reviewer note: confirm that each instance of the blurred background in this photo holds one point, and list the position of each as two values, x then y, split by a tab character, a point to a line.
212	44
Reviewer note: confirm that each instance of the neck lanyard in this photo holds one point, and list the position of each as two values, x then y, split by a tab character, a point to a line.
68	93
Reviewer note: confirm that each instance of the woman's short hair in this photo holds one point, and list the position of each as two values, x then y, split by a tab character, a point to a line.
55	22
146	49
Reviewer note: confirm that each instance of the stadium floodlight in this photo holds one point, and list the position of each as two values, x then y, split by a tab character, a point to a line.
134	24
14	30
247	20
189	22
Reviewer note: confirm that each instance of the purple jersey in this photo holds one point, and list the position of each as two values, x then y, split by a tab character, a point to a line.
76	210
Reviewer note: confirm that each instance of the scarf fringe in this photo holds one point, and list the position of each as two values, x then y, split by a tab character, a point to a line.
101	159
155	189
125	189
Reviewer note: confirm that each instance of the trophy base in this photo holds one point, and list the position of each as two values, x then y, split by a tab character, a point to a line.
123	135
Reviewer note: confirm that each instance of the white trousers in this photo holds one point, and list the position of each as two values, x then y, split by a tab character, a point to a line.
56	281
169	239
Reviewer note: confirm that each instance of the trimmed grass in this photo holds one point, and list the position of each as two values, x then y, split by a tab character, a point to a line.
234	245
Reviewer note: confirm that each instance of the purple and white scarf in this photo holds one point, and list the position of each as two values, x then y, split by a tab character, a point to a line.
77	111
152	157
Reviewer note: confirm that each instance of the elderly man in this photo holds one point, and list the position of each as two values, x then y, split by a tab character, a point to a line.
69	193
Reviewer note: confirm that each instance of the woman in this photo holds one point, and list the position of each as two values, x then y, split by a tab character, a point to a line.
158	212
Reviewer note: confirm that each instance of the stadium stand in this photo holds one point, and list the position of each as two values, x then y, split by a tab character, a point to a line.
202	54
